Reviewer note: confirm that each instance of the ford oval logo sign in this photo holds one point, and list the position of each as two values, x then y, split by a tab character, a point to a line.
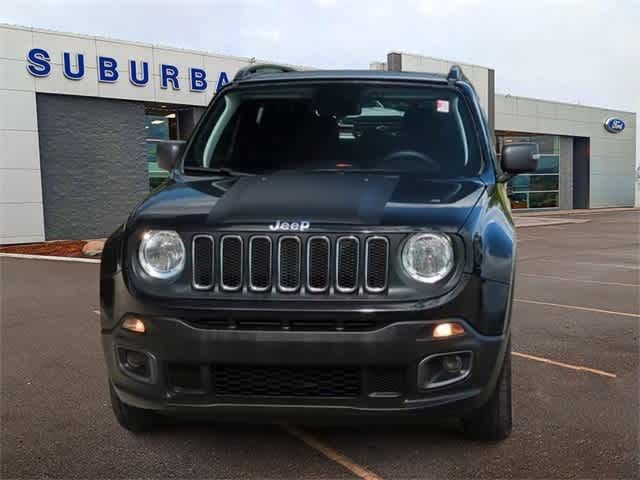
614	125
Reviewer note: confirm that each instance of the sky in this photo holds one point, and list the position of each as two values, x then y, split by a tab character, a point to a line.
581	51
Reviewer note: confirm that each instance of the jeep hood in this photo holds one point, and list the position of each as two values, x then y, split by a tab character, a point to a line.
323	199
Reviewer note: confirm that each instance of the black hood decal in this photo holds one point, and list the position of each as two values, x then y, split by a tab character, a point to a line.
319	198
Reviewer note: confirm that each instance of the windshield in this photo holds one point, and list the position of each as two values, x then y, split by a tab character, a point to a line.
424	131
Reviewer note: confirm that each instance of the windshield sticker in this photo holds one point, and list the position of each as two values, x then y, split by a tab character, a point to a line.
442	106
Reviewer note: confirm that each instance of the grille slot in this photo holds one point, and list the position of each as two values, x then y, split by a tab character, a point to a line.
318	264
377	264
202	255
286	381
231	259
289	263
260	261
347	264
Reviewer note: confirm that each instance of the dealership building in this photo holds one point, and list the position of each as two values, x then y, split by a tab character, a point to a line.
80	117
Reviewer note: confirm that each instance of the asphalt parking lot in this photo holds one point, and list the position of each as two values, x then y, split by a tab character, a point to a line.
575	372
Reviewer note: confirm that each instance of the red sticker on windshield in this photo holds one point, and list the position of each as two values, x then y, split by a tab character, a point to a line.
442	106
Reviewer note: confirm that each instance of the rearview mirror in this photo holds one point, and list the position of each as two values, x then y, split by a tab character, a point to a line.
168	153
520	158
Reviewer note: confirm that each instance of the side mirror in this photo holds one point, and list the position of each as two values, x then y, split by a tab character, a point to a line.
168	153
519	158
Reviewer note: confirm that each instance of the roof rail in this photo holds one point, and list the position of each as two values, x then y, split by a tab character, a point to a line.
260	68
455	74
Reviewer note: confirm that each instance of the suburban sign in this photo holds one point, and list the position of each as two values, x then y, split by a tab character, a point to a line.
614	125
108	70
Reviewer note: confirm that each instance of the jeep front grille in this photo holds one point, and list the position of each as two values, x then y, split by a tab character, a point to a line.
291	264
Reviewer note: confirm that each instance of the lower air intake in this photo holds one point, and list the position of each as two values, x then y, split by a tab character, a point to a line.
286	381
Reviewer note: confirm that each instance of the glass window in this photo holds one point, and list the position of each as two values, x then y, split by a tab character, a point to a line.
519	183
548	164
543	182
519	200
548	144
543	199
158	125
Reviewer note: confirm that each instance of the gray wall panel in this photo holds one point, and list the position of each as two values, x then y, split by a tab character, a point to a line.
93	163
566	173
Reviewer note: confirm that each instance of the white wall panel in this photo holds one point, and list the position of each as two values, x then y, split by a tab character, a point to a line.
612	190
21	223
14	75
20	186
546	110
19	149
18	110
15	42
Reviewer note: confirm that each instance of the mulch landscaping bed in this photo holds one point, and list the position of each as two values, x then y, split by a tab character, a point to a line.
63	248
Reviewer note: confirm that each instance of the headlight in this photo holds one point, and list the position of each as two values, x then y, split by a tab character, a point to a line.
162	254
428	257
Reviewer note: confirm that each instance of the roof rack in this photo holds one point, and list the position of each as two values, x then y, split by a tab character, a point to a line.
455	74
261	68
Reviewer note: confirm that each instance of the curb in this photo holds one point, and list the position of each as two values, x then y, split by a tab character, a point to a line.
577	212
550	222
46	257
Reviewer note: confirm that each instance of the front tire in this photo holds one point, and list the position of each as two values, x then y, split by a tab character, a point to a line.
137	420
492	421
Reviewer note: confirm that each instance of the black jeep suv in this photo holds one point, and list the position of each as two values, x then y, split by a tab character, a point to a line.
328	243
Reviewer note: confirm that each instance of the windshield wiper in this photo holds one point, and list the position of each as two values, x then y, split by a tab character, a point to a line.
227	172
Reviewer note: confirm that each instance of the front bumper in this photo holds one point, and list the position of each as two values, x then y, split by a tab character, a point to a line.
398	347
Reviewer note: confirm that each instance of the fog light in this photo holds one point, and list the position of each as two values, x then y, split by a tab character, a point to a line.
445	330
452	363
136	364
443	369
135	360
134	324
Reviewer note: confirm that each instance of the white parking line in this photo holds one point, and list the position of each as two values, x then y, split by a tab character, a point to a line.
538	259
332	454
579	280
576	307
610	265
50	258
565	365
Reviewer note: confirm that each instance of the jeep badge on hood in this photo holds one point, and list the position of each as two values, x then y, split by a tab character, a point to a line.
299	226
